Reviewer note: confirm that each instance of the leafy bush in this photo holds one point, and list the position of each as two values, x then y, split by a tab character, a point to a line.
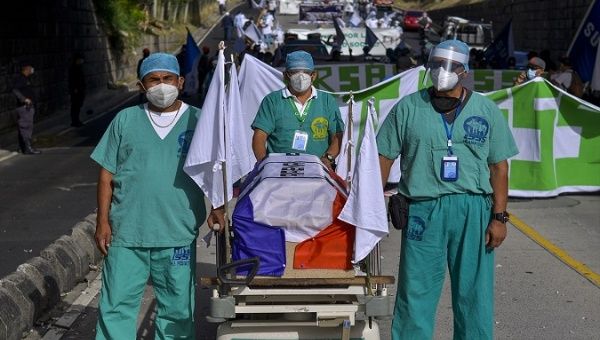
121	20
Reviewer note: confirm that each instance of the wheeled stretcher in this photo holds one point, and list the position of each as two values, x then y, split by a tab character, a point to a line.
291	275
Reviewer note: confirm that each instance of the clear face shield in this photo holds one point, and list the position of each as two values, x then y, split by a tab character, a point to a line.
444	67
449	60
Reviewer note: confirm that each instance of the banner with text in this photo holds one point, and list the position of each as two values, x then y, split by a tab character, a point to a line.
558	135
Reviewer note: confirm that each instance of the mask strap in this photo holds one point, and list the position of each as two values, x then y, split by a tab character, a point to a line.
424	80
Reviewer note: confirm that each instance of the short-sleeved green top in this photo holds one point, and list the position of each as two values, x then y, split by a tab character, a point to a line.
154	203
413	129
276	117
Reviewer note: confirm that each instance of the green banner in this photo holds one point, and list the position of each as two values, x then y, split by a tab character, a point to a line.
558	138
558	135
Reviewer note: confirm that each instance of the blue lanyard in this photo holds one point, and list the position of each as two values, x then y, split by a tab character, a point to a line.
449	130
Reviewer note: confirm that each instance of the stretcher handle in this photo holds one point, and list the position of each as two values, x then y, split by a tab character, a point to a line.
224	269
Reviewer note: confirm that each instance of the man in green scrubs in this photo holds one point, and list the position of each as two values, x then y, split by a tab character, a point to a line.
454	145
149	210
298	118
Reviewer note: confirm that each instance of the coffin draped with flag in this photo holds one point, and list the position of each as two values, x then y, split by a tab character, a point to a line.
293	198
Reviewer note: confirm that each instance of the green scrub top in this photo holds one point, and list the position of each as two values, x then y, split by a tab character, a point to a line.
480	136
277	119
154	203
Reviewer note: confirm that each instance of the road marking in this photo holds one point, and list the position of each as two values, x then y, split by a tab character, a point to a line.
8	156
558	252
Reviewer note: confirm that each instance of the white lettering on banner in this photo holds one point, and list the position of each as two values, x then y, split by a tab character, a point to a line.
591	32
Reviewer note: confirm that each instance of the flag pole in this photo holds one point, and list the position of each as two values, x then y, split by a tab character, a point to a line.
350	127
227	226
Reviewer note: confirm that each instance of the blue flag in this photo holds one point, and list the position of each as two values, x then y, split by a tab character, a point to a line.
191	53
501	48
370	38
584	47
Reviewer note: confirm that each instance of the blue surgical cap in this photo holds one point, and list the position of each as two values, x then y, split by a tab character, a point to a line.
159	62
452	49
299	60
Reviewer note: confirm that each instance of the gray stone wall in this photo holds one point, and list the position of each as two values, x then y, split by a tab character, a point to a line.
537	24
47	34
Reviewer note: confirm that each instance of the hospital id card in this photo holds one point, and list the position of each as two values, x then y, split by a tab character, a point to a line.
449	171
300	140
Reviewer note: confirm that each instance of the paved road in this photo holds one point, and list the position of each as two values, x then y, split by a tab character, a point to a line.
537	295
43	196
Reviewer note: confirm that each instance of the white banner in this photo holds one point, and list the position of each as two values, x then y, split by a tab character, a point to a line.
355	38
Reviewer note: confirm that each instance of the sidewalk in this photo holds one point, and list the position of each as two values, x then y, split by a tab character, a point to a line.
48	128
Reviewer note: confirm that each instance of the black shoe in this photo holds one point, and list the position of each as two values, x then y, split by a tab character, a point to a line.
77	124
31	151
27	149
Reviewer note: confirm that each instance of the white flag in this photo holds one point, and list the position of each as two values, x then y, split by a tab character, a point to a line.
257	80
253	33
239	141
365	207
349	147
207	150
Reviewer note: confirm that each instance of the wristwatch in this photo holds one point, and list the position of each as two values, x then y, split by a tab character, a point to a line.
329	157
501	216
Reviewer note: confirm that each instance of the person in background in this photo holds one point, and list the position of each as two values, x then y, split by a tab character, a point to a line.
511	63
535	68
145	227
23	91
454	145
239	20
228	26
203	69
567	79
222	7
550	64
298	118
76	88
272	6
181	57
145	54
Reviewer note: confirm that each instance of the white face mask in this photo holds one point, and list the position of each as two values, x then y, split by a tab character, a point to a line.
300	81
162	95
531	73
443	80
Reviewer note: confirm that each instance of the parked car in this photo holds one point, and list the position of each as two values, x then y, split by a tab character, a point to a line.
411	20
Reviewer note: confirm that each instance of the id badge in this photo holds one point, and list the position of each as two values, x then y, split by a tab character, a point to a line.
449	171
300	140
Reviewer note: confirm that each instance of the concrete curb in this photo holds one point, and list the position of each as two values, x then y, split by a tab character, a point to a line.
36	286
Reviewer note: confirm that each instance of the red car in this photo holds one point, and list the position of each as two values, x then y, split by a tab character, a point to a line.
411	20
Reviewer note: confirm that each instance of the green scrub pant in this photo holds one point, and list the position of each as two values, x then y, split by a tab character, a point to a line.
447	231
124	277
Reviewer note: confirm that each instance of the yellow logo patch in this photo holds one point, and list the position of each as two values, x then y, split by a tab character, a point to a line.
319	127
